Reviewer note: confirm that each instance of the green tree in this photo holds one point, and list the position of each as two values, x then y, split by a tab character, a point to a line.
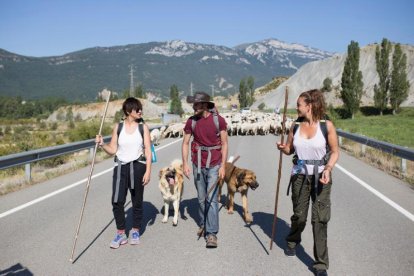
243	94
139	92
351	82
125	94
327	84
175	107
69	114
250	89
382	57
399	84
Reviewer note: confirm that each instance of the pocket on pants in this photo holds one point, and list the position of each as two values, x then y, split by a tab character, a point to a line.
324	211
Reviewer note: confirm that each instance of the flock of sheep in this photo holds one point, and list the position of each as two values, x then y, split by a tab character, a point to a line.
255	123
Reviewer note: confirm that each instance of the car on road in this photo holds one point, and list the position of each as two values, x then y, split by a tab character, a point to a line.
245	110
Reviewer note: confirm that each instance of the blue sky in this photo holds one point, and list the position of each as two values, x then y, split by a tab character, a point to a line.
56	27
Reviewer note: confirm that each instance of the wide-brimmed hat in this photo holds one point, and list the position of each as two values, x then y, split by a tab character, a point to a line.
200	97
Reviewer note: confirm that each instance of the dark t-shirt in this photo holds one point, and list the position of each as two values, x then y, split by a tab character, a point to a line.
205	134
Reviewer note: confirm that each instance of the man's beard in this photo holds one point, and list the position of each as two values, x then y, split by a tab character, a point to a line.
198	112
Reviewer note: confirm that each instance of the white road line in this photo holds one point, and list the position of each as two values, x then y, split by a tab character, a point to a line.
30	203
378	194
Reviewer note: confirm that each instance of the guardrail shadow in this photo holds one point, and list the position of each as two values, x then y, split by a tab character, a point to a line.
16	269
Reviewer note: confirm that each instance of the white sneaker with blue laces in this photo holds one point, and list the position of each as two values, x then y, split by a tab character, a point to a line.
134	237
119	239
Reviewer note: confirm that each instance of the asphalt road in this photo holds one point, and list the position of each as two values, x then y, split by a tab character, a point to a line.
371	231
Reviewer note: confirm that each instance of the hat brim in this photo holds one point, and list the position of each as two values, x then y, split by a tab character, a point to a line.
191	99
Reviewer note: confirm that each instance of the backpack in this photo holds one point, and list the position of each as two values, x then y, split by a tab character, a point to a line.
316	163
141	131
215	119
324	130
140	127
200	148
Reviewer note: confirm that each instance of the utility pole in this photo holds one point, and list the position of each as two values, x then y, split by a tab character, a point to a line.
191	88
131	85
212	90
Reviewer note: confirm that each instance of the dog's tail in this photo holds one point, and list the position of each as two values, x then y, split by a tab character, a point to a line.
177	164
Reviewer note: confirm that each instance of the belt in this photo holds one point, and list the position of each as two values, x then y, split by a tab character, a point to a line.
200	148
118	176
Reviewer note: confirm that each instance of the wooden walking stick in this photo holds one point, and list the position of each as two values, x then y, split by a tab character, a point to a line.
280	168
89	179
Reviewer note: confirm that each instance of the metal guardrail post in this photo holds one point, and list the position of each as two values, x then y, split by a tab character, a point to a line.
28	172
404	166
90	153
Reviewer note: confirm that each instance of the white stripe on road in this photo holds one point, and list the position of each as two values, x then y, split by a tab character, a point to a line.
30	203
378	194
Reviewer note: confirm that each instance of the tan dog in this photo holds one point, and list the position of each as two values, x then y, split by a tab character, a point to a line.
171	185
238	180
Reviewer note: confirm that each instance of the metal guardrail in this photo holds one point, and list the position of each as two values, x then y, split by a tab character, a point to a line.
403	152
23	158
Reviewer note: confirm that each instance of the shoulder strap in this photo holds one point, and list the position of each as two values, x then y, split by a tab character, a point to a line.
120	125
141	130
216	122
193	124
140	126
324	129
215	119
297	123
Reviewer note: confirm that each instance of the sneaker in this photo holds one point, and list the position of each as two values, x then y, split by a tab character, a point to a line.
119	240
211	241
134	237
290	252
200	231
321	272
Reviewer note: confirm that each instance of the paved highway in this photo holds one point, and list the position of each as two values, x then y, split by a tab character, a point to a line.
371	231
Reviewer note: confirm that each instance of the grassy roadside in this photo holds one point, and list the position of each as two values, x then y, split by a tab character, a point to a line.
395	129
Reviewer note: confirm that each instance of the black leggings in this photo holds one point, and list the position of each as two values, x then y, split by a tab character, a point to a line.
137	194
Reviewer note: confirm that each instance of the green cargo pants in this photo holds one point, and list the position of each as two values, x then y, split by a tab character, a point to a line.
302	192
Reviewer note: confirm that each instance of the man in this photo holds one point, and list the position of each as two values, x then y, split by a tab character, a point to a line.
208	155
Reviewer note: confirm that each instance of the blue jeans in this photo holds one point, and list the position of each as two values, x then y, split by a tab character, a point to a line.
208	211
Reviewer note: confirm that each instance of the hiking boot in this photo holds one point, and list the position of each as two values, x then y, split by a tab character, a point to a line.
200	231
134	237
211	241
290	252
119	239
321	272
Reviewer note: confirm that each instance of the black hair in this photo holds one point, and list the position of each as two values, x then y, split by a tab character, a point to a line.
131	104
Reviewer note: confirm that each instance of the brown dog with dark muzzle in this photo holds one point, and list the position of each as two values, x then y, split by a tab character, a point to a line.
238	180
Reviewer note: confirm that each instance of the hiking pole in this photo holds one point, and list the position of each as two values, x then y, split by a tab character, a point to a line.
280	168
208	192
89	179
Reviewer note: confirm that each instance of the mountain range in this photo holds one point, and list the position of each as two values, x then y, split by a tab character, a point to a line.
80	75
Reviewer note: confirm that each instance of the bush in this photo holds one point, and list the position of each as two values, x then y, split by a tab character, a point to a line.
261	106
327	85
87	130
54	126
